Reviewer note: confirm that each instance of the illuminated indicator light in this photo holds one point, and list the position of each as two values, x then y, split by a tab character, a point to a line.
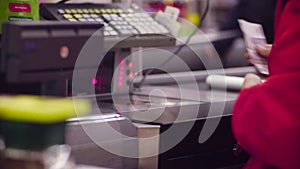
130	75
64	52
94	81
121	73
130	64
120	107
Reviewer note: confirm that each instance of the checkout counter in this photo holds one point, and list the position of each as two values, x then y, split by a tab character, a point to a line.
173	122
164	132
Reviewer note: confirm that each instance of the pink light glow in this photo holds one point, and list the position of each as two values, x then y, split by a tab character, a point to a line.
130	64
121	73
130	75
94	81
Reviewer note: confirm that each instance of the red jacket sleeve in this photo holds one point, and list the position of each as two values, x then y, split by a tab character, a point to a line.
266	117
266	120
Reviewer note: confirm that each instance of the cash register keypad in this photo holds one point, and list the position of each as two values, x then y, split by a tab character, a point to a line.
117	21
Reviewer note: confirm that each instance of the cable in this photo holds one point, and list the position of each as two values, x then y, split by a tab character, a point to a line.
139	84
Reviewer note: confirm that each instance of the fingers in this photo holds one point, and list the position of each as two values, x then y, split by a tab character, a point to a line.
264	50
251	80
247	55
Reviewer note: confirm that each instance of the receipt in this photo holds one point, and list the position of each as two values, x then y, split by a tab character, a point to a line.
254	36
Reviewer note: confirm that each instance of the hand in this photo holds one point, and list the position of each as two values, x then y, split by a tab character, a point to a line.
251	80
263	51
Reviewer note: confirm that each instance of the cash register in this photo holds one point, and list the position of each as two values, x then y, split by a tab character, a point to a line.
44	53
121	20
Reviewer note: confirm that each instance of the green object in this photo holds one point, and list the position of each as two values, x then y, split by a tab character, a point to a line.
39	109
35	122
18	10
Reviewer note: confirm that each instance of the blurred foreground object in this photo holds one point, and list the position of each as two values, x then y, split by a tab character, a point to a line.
29	125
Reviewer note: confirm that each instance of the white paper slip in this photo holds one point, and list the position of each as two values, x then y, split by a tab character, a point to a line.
254	36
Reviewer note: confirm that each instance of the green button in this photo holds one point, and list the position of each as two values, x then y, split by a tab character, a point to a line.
68	16
68	11
72	20
114	10
78	16
108	10
120	11
73	11
91	11
85	11
82	20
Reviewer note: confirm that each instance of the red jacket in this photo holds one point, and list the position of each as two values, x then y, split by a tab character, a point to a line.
266	117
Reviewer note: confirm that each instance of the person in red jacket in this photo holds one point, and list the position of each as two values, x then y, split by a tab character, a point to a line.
266	116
